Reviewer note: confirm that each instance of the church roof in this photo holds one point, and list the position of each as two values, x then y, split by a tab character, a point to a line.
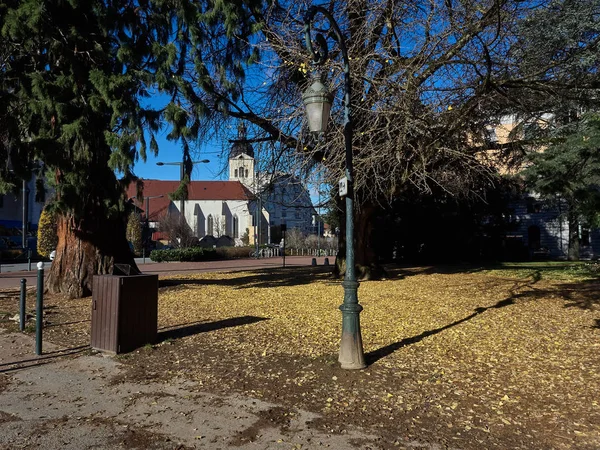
240	148
197	190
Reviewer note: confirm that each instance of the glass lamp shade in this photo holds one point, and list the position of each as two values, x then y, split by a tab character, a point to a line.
317	100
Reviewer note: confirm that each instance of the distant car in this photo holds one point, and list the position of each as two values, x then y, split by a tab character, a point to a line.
52	255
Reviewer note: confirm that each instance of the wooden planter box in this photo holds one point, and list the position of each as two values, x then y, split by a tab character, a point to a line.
124	312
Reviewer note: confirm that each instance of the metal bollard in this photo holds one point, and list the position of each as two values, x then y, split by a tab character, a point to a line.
39	314
22	304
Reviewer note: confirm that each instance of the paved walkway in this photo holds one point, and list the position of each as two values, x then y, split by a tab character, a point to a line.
12	279
66	402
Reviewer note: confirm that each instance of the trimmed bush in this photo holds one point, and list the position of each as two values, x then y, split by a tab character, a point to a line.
47	238
134	232
234	252
200	254
184	254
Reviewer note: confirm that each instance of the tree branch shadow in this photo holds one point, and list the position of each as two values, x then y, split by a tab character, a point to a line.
204	327
376	355
45	358
263	278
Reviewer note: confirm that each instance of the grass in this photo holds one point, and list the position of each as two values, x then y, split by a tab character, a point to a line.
548	270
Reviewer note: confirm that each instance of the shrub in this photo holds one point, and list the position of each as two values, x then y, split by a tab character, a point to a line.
199	254
234	252
47	237
134	232
184	254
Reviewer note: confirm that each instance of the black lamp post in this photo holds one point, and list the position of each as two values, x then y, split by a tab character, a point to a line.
318	101
181	177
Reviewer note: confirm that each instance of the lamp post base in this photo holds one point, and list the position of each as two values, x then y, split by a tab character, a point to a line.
351	347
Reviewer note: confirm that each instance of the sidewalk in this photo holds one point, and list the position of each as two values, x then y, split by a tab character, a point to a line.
71	402
12	279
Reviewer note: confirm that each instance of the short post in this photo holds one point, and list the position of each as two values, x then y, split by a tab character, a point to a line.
22	304
29	259
283	230
39	319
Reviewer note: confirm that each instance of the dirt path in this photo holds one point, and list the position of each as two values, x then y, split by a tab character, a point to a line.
72	402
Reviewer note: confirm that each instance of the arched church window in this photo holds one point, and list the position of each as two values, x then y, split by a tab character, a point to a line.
210	225
246	173
241	172
235	172
236	227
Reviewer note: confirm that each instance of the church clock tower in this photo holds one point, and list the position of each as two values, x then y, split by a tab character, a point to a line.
241	160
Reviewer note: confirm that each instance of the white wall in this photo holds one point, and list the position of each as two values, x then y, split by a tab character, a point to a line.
197	213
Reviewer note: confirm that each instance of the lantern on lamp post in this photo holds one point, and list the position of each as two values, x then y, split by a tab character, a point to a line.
317	100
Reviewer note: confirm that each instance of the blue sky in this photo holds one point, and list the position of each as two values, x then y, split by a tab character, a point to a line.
171	152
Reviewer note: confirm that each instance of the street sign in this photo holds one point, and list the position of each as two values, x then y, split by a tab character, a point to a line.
343	187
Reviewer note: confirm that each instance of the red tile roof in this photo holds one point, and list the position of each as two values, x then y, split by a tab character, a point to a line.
197	190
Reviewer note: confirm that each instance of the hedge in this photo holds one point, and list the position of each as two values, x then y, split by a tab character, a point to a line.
184	254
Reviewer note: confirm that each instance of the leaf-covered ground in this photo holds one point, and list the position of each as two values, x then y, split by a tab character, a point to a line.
471	360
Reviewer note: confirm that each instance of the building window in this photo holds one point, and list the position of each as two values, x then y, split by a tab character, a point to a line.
235	173
241	172
534	237
210	225
236	227
246	173
585	236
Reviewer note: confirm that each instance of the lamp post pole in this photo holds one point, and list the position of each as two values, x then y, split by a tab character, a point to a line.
25	200
181	178
351	347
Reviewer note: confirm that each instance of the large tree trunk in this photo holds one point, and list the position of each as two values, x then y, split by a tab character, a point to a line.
365	257
573	219
85	249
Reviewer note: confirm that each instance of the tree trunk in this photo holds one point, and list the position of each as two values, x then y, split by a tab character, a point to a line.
88	248
367	264
573	219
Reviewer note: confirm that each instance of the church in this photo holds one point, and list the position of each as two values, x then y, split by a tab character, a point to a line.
249	203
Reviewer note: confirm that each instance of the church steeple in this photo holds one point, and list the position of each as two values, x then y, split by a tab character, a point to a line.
241	159
241	145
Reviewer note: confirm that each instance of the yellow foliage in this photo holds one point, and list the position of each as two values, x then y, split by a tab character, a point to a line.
46	238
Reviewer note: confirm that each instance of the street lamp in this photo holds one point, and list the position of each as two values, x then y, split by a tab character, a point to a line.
317	100
181	177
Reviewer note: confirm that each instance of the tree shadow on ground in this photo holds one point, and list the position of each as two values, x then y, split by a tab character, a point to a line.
405	270
263	278
376	355
204	327
583	295
45	358
525	269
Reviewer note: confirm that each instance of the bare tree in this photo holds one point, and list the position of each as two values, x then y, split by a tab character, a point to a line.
428	78
178	233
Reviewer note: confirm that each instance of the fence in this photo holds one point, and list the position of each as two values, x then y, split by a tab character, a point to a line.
276	252
311	252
